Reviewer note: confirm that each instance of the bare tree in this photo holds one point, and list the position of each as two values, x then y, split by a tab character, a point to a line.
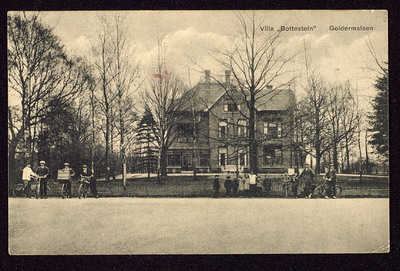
166	96
341	117
104	54
125	72
255	63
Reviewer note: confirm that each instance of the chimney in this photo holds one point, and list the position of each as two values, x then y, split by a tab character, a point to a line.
207	79
227	76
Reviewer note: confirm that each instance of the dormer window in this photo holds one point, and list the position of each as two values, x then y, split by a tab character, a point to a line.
231	106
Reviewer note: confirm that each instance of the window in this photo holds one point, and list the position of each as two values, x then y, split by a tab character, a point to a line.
272	155
278	156
273	129
231	159
203	159
189	161
242	128
185	131
223	129
231	106
222	155
242	159
182	139
174	160
170	160
177	160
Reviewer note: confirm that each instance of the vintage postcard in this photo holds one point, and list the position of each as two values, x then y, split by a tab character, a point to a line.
198	132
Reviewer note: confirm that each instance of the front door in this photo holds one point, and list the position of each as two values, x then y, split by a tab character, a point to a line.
185	162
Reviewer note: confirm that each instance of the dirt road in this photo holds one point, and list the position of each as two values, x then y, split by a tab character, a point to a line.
191	226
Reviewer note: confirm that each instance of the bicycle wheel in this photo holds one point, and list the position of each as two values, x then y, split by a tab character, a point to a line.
289	192
286	192
318	191
82	191
48	191
299	193
18	191
338	191
62	190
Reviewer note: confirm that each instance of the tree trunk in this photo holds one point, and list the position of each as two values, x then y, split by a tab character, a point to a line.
347	155
317	145
163	161
107	146
148	155
359	147
252	140
367	167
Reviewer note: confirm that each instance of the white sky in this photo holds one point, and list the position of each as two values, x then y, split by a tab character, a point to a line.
339	56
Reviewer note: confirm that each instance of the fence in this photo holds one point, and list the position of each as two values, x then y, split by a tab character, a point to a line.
202	186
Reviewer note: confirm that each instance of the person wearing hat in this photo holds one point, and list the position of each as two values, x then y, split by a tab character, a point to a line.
43	171
331	181
87	173
308	178
228	186
216	186
67	183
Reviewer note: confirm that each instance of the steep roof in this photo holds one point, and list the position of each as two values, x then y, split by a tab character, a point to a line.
204	99
278	99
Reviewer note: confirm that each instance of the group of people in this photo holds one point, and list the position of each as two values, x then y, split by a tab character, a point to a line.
42	173
307	177
251	185
248	185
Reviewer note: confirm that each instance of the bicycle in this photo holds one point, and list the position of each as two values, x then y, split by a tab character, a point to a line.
288	188
84	186
18	189
64	192
319	190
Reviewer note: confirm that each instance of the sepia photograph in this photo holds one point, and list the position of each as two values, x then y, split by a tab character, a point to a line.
182	132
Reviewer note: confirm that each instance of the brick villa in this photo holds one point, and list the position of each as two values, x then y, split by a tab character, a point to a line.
213	136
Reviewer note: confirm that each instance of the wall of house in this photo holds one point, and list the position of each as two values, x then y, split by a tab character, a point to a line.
288	159
186	148
230	141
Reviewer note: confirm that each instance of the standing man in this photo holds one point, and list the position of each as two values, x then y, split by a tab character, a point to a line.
93	182
246	185
308	177
241	186
253	184
331	181
267	185
228	186
216	186
259	187
235	186
42	172
27	174
295	184
67	183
